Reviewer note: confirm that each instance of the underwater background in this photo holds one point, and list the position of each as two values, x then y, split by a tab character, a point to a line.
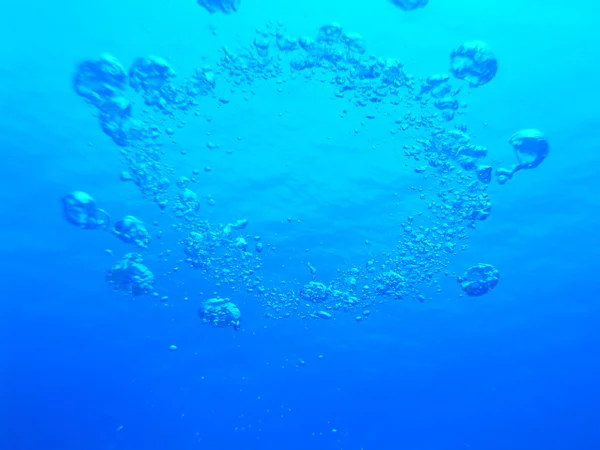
288	225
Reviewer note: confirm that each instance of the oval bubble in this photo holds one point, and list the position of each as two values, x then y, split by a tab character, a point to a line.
410	5
479	279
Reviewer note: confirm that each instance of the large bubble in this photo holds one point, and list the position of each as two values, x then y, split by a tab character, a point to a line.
479	279
531	148
220	312
131	275
330	33
410	5
99	80
226	6
80	209
473	62
132	230
102	83
187	203
445	152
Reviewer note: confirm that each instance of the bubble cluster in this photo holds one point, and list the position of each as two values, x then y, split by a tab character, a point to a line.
220	312
131	275
100	80
187	203
150	76
391	284
425	112
314	292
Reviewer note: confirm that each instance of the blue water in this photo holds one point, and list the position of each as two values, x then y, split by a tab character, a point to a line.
327	172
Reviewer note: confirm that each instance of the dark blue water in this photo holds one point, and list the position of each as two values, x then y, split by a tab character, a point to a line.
371	179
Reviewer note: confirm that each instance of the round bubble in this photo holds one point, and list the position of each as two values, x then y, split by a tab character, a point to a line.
531	148
80	209
473	62
410	5
479	279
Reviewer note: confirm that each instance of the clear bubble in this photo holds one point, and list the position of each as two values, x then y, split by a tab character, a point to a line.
132	230
473	62
80	209
531	148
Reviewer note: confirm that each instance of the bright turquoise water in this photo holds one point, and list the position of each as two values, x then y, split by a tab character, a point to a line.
348	167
